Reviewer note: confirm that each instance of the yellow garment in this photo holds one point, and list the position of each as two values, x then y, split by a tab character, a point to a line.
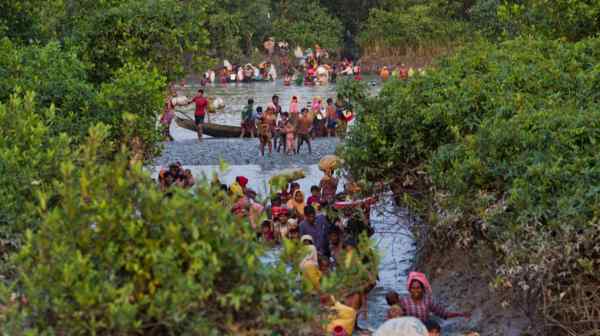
236	189
312	275
344	316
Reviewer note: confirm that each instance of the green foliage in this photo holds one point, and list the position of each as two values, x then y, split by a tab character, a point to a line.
30	155
306	23
506	139
160	32
569	19
115	256
356	270
351	90
136	91
57	77
410	29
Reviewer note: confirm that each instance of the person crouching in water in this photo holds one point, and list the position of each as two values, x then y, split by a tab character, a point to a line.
265	130
248	123
420	303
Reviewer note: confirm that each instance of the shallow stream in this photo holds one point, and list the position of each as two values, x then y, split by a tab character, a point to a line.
392	236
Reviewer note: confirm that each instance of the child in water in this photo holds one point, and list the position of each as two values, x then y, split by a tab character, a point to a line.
289	131
393	300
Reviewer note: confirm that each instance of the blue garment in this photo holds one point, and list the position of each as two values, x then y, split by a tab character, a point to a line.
318	231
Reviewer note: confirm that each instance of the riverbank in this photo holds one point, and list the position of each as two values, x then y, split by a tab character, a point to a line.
209	152
463	280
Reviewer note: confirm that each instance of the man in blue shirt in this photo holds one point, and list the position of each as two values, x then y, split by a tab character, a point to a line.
317	227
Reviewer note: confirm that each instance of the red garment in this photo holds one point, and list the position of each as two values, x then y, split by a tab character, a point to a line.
313	199
278	211
201	104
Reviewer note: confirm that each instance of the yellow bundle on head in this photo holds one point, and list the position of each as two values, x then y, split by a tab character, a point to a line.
287	176
329	162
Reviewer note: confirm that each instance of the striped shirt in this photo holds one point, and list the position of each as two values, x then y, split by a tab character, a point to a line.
422	309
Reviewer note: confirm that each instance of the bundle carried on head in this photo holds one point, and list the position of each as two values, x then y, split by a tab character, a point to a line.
285	177
329	163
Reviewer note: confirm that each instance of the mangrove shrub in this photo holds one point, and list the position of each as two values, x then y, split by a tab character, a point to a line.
30	156
505	141
117	256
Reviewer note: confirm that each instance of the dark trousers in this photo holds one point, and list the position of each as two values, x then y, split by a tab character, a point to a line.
302	138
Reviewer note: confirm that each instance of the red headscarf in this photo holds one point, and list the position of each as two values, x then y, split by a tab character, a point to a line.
278	211
242	180
420	277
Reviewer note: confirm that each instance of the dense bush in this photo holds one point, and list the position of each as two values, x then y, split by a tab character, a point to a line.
569	19
30	155
306	23
115	256
410	30
136	91
58	77
505	138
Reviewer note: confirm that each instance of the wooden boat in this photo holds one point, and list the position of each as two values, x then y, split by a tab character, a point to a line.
214	130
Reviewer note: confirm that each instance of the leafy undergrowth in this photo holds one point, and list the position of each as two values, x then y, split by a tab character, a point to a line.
113	255
500	144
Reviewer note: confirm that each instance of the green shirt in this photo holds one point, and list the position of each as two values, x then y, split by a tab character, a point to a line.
247	112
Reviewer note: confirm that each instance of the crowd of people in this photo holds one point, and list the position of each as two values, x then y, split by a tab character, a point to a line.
290	130
312	66
399	71
175	175
330	225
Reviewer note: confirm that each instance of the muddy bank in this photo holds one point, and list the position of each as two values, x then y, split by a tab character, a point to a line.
462	280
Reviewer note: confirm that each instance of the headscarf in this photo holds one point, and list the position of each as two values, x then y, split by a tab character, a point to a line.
243	181
420	277
297	206
402	326
278	211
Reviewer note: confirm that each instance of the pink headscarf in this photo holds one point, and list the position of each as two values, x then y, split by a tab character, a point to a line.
420	277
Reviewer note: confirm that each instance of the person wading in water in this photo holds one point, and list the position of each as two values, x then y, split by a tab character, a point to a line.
248	119
201	104
331	118
303	130
265	130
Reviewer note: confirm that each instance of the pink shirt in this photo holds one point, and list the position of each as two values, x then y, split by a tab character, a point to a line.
294	107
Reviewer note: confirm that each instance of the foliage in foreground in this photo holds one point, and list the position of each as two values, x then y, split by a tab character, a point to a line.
115	256
505	139
30	156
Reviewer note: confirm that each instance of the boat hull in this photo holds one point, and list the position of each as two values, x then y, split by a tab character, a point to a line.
214	130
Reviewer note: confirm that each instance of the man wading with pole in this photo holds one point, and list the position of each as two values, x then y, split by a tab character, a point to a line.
201	104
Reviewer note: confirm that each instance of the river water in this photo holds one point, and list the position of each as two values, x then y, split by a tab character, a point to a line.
391	223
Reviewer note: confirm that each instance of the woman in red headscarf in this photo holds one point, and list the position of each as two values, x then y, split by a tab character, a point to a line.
420	303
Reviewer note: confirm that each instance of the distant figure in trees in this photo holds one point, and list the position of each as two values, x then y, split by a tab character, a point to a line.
384	74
